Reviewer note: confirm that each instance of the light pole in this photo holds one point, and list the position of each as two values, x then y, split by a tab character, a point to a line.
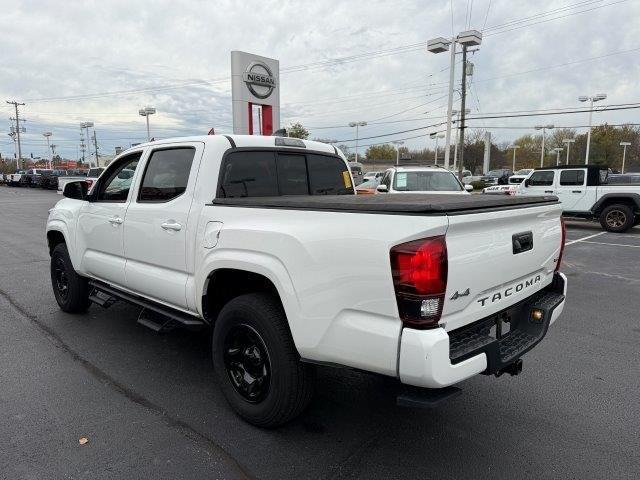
624	153
594	98
515	147
436	136
544	129
457	113
397	143
357	125
147	112
568	141
469	38
47	135
558	150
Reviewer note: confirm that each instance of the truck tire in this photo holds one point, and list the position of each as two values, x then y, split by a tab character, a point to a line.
617	218
258	368
70	289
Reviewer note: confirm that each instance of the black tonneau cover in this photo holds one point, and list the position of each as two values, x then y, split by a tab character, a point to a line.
399	204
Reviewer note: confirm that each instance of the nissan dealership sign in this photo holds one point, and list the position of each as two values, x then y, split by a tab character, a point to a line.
255	85
259	79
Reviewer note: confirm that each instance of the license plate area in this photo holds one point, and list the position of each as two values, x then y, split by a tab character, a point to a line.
501	326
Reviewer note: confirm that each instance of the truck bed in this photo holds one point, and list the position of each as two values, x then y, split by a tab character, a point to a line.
405	204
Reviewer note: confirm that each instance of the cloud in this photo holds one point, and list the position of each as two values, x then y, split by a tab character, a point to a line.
175	56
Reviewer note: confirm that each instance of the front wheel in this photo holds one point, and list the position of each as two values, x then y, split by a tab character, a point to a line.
617	218
70	289
256	362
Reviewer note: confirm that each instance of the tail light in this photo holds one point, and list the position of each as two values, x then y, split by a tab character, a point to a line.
419	270
562	242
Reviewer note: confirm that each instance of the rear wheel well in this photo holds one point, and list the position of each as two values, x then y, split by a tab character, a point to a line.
226	284
53	239
617	201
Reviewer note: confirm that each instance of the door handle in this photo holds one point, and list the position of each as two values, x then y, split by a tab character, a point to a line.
576	191
548	191
174	226
116	221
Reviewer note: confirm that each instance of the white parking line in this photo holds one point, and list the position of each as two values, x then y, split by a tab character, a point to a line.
614	244
584	238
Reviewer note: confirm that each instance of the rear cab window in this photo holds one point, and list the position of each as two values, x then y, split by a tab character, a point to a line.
269	173
572	177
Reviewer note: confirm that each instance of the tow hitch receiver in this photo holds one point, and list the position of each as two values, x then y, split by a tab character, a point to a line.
512	369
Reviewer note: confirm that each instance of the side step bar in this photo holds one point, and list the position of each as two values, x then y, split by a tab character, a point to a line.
153	315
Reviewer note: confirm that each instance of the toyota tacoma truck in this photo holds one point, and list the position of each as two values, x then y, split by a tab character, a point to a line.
253	237
585	192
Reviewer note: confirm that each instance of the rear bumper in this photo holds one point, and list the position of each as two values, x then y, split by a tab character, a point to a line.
436	358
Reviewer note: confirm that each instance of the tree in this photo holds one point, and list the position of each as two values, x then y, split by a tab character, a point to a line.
381	152
297	130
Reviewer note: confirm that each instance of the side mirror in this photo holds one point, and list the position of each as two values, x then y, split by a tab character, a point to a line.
382	188
468	187
527	182
76	190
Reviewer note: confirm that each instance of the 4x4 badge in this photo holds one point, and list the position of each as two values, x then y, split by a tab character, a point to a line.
457	295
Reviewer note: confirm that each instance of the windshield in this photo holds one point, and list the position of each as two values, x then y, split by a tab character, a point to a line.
494	173
524	171
426	181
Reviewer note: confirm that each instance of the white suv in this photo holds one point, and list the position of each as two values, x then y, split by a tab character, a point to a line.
421	180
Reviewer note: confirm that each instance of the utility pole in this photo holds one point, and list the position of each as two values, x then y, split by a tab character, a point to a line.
95	143
463	109
16	105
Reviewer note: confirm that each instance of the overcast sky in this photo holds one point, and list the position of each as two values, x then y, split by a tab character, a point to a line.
101	61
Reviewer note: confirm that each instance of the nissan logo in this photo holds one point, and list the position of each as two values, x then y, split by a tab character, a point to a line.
259	79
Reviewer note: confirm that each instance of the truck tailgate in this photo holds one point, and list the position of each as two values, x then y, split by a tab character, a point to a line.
491	263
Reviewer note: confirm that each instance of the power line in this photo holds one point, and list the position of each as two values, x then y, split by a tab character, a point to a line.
610	108
554	18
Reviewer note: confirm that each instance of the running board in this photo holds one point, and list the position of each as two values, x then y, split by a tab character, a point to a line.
153	315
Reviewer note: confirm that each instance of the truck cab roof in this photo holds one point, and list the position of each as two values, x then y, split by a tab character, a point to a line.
248	141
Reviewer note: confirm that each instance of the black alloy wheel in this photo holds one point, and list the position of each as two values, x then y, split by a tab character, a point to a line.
247	362
61	279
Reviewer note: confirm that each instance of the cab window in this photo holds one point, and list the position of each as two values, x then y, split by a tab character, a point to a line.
115	187
166	174
541	179
572	177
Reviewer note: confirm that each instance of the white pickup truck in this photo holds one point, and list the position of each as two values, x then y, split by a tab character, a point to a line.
262	240
585	193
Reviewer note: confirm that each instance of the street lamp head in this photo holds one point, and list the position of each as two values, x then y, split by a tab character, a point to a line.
599	96
568	140
625	144
47	134
549	127
583	98
514	146
539	127
438	45
558	149
470	38
88	124
149	110
142	112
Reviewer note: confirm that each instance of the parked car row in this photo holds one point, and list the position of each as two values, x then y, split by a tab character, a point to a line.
51	179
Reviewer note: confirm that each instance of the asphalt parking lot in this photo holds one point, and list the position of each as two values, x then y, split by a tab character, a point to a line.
149	406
